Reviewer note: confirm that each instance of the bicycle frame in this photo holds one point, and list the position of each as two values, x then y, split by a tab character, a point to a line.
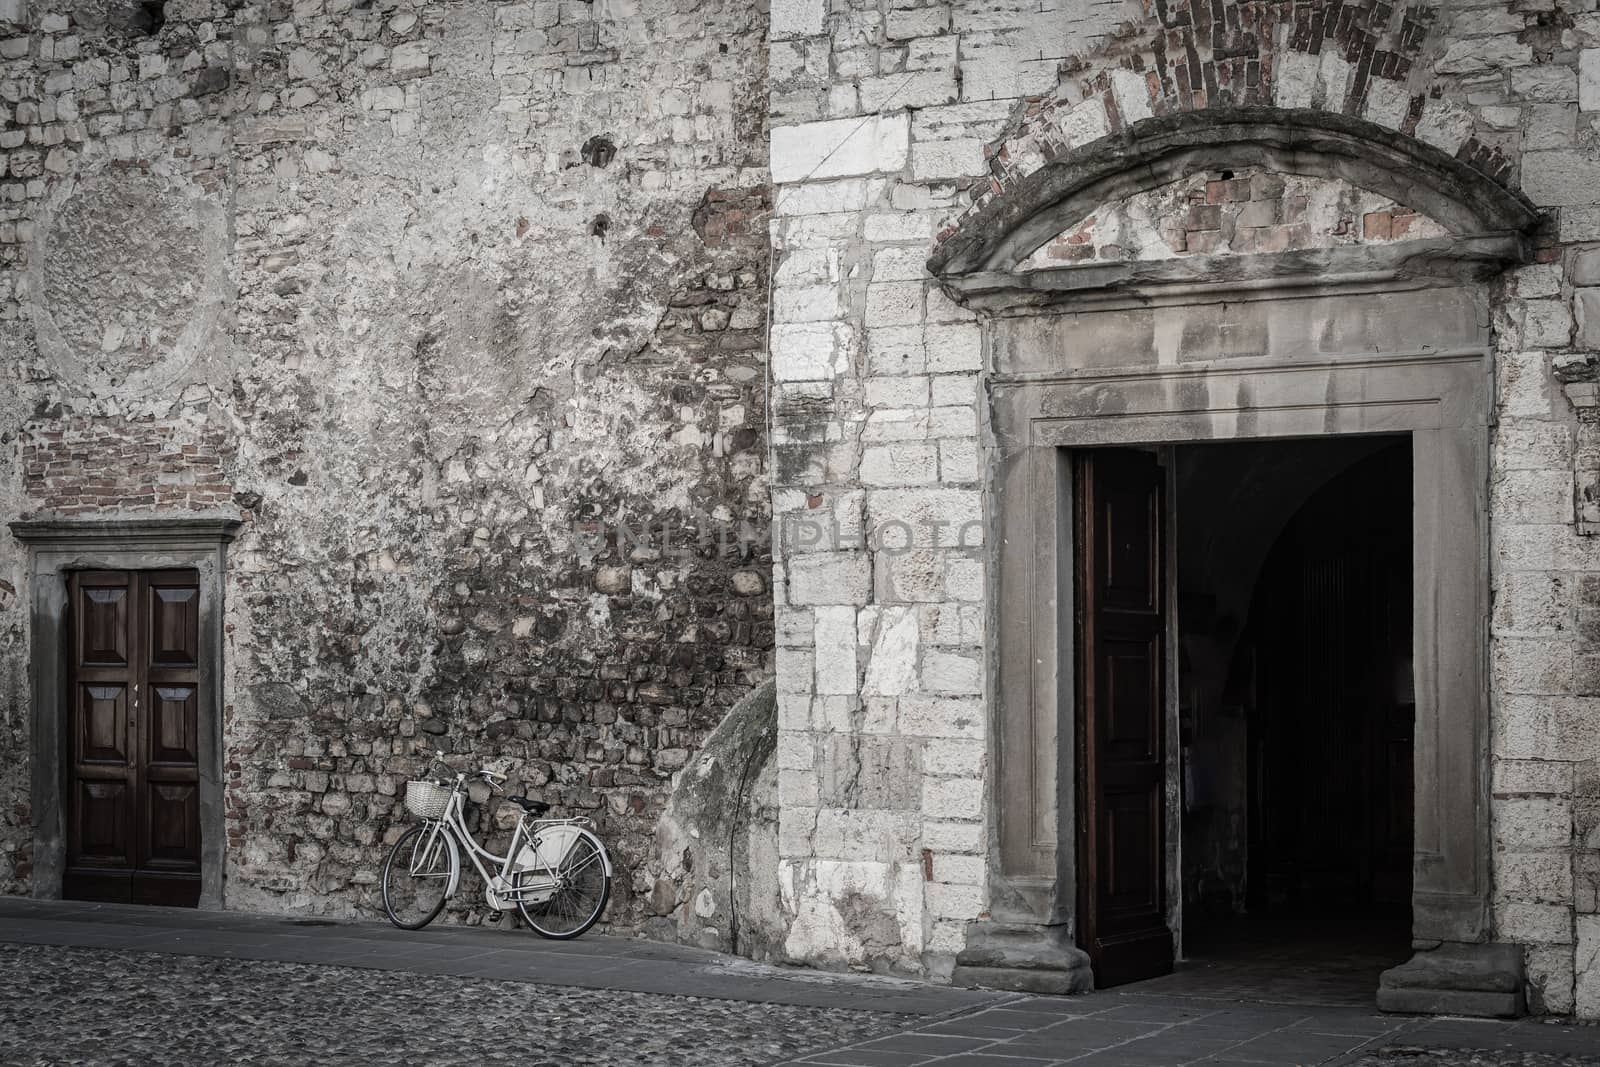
500	887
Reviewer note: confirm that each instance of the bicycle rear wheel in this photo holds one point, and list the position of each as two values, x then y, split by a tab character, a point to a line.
582	887
416	876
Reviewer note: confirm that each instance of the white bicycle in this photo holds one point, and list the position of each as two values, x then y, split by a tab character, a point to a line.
556	872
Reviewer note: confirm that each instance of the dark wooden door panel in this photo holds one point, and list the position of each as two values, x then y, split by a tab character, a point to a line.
134	826
103	619
103	824
173	826
174	622
174	714
1120	627
1132	818
102	716
1130	681
1128	536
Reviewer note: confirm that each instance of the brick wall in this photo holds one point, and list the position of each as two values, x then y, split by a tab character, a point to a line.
82	466
1245	212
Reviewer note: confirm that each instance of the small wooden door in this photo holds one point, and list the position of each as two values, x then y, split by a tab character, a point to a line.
1121	638
133	803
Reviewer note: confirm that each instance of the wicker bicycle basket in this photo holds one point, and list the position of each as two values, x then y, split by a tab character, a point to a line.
426	800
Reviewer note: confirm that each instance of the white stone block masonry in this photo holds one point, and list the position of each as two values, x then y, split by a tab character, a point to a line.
797	18
1589	79
839	148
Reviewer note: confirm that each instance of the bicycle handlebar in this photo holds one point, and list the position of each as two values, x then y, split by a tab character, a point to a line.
493	780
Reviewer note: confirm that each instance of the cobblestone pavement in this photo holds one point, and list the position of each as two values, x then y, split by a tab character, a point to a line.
71	1005
1414	1057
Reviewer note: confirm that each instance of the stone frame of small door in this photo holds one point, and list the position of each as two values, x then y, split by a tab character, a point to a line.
57	547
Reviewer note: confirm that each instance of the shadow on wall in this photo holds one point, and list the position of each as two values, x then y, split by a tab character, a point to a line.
717	842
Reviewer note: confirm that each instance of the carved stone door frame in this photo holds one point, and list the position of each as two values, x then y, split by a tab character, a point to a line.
1310	342
1439	398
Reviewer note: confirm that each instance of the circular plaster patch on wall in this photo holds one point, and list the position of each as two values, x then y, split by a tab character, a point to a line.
127	279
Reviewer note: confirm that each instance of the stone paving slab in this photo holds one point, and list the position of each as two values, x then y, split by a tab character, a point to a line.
594	961
1127	1028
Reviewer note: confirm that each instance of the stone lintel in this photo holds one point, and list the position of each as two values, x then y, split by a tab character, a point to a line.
1447	261
1457	979
127	534
1023	957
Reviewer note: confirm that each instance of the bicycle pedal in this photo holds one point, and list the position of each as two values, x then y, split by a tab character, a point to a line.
494	916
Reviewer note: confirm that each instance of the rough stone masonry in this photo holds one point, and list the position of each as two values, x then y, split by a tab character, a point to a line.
463	308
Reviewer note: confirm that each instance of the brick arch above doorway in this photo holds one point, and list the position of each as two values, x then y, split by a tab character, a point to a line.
1048	186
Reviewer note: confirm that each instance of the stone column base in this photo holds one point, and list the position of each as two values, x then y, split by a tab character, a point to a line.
1457	979
1023	957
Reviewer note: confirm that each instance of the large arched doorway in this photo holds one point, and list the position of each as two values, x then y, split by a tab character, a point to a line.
1221	309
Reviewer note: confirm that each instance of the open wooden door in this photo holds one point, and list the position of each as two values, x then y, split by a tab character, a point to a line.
1121	744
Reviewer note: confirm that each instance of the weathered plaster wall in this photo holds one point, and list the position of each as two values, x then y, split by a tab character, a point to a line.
893	122
438	295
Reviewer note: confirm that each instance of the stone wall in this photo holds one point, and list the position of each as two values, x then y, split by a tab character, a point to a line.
462	306
893	123
718	840
880	115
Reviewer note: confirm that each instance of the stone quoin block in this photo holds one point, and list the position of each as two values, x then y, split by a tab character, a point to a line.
1586	966
1589	79
1559	178
811	351
829	578
797	18
840	148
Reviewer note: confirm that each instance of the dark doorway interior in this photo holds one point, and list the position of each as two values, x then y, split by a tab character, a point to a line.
1295	705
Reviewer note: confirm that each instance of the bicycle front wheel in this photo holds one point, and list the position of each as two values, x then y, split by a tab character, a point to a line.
563	901
416	876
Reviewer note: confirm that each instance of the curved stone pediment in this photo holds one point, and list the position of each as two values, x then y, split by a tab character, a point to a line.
1018	249
1254	211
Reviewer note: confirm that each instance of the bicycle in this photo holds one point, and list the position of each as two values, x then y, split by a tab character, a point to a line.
556	872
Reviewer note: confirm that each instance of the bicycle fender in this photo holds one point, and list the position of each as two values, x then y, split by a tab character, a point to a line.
554	844
455	865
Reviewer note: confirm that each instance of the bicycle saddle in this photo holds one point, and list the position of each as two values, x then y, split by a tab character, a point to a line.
532	807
